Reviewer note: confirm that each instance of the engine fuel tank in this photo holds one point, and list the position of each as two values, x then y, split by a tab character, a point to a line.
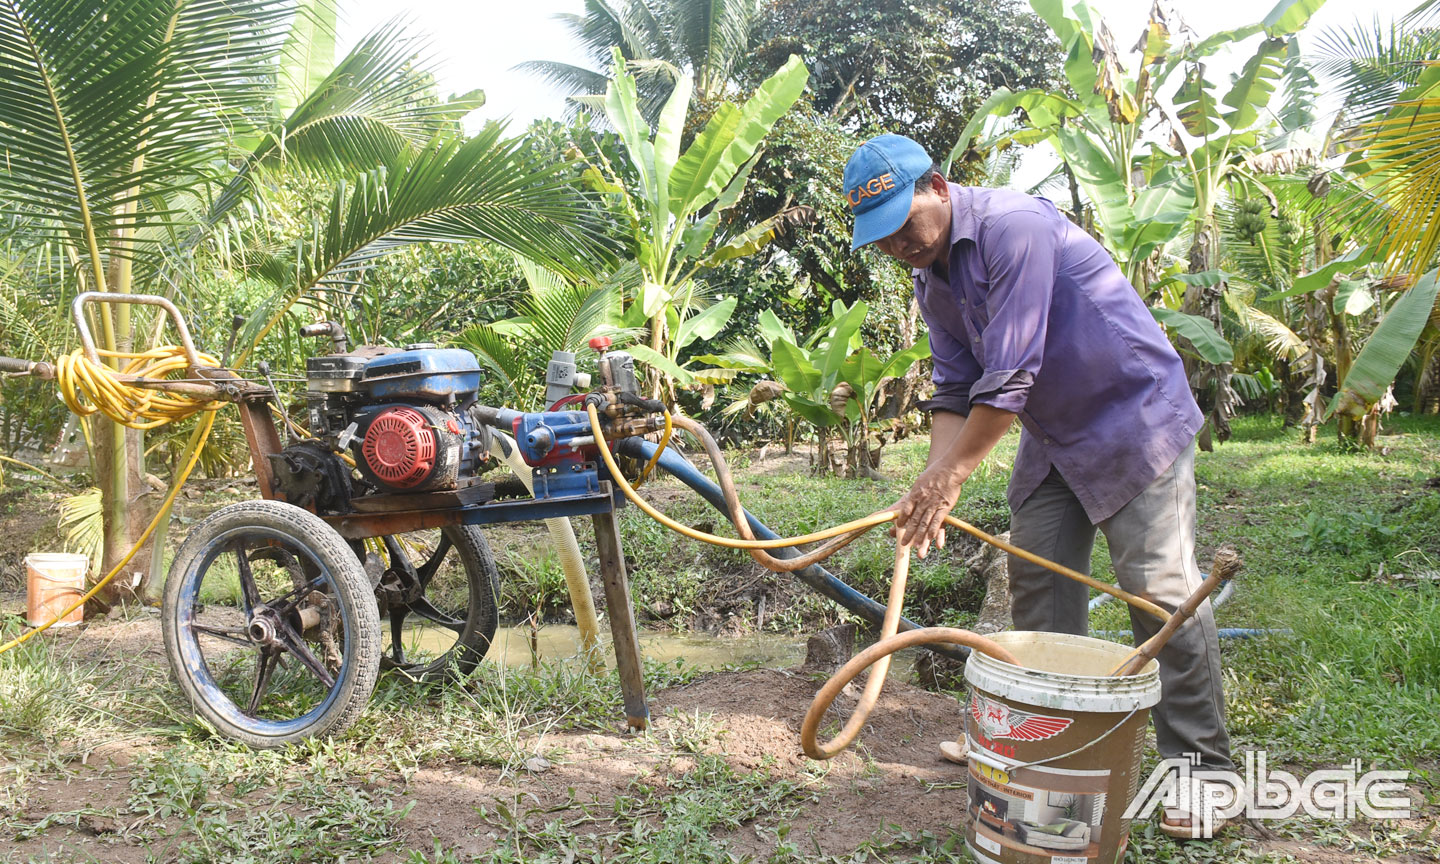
427	374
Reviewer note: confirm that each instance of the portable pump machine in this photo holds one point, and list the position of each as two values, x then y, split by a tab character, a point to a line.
409	420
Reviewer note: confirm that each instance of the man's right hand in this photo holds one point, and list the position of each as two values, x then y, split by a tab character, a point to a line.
920	515
957	445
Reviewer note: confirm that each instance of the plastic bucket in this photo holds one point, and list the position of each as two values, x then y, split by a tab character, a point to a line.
1055	749
54	580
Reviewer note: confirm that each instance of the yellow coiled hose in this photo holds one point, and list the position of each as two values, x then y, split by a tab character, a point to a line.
88	387
878	654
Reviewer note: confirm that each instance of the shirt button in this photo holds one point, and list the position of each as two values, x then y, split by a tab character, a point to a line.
962	301
1048	441
977	338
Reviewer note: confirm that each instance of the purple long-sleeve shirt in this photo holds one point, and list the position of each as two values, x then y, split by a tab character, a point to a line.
1036	319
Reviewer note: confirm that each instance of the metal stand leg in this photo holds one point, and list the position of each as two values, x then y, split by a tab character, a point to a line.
622	620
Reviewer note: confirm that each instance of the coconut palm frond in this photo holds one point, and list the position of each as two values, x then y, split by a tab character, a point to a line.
1400	163
85	87
1426	13
497	352
660	40
375	102
452	190
82	523
566	77
1372	64
1279	338
714	34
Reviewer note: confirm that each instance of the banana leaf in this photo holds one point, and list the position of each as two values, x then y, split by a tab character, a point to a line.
1209	344
1387	349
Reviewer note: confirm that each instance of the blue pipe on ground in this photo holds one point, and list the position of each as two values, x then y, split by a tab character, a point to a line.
1225	633
816	577
1226	589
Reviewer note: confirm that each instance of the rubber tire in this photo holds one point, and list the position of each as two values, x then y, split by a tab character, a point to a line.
352	590
482	618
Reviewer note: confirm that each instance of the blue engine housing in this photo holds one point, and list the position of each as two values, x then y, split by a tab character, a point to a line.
437	375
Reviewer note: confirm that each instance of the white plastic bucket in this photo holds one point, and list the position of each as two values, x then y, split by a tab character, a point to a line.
54	580
1055	749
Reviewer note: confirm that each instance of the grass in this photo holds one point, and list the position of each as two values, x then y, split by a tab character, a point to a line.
1331	541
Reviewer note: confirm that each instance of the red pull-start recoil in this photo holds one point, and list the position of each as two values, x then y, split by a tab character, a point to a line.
400	447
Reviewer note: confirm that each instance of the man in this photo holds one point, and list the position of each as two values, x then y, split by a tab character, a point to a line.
1030	317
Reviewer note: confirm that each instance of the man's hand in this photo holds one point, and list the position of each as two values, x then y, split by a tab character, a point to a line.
920	515
957	445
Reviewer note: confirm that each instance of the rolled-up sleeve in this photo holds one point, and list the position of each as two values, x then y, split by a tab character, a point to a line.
1022	256
955	371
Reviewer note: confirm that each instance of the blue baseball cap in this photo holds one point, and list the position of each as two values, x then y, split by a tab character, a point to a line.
880	185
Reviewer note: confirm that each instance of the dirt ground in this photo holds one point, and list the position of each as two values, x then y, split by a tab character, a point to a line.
893	780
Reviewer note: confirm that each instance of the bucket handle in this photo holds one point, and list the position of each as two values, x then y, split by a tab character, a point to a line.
976	754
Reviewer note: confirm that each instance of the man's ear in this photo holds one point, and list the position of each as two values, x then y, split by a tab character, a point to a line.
939	186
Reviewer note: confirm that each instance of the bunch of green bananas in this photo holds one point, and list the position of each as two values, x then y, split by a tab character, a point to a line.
1250	218
1291	231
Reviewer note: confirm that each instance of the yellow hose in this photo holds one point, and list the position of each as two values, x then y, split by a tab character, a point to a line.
876	681
878	654
88	387
664	442
867	522
864	523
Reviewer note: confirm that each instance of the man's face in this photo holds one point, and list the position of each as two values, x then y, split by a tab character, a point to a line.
925	236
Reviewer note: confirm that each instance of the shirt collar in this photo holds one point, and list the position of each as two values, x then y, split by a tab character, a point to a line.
963	224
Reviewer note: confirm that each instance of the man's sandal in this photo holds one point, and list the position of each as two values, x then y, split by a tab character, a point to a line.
956	751
1180	822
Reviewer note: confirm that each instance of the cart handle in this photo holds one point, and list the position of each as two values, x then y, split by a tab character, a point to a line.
77	309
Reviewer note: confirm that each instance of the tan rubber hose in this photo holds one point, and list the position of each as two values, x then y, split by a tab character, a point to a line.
855	526
562	536
878	655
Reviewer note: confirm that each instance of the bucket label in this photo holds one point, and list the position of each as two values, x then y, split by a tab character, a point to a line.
1001	721
1051	814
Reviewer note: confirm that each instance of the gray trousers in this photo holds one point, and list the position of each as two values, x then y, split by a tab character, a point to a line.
1152	548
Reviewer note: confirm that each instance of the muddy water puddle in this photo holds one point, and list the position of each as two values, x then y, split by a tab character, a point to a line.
513	646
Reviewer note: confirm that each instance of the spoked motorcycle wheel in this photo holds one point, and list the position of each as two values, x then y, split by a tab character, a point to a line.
270	624
438	599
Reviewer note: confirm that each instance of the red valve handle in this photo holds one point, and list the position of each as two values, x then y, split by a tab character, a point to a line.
600	343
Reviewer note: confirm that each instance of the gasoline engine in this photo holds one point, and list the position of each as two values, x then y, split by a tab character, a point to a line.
410	421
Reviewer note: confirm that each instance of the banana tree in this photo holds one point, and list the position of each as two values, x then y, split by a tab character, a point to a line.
1378	207
675	212
1145	194
828	378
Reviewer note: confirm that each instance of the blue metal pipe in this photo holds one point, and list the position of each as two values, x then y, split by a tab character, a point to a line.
816	577
1225	633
